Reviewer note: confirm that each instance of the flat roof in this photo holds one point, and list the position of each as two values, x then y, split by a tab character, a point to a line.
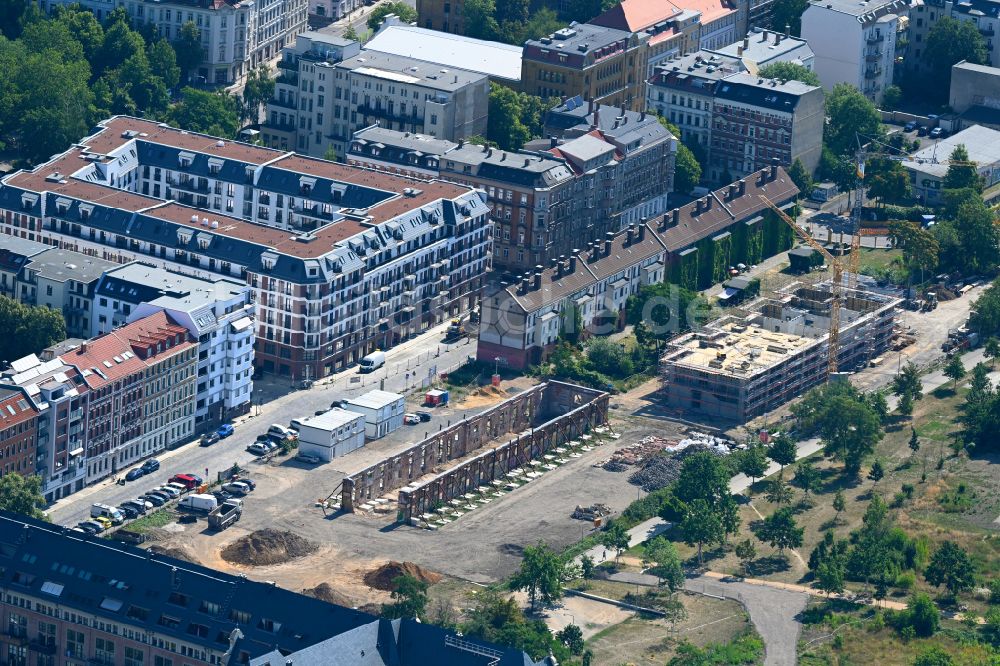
412	71
763	46
739	345
982	143
332	419
178	292
493	59
375	399
61	265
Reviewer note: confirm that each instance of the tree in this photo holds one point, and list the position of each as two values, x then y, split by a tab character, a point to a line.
120	43
852	434
950	566
978	236
830	575
514	118
850	114
27	330
587	567
259	88
986	319
879	405
887	181
409	596
609	358
922	614
791	71
920	247
991	350
687	169
701	526
188	49
616	538
806	477
962	174
746	552
403	11
892	97
954	370
753	462
914	442
540	574
22	495
351	34
667	563
797	172
933	655
543	21
787	15
163	63
779	530
664	310
907	382
572	637
839	504
703	476
84	27
876	473
948	42
782	451
778	491
213	113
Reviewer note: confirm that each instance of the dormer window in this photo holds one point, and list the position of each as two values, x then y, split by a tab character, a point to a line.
184	236
306	184
85	212
62	205
268	260
214	165
28	200
185	159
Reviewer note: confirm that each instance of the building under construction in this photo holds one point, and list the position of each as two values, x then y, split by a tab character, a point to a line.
735	369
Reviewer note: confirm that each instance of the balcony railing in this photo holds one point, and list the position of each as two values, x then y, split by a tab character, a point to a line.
875	38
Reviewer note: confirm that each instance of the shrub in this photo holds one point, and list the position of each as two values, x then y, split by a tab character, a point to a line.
906	580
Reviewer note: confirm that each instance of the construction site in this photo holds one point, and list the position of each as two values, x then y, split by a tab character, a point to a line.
740	367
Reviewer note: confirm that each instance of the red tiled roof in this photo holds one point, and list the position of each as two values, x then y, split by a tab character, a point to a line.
12	400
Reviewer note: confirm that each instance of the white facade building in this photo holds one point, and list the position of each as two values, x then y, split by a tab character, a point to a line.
219	313
855	42
236	35
383	411
332	434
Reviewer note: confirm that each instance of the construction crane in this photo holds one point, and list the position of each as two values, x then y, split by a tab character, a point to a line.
838	285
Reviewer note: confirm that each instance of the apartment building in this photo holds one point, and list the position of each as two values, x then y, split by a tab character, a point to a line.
605	65
325	12
736	369
856	42
341	260
236	35
983	14
18	433
443	15
741	121
14	254
691	246
591	179
218	313
337	90
670	29
82	600
64	281
974	95
108	402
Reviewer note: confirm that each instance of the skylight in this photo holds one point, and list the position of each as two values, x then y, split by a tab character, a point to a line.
55	589
110	604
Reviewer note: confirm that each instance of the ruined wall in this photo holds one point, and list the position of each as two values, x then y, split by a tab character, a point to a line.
514	415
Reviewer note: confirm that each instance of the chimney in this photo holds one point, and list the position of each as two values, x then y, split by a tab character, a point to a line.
676	215
608	238
561	265
83	347
642	115
763	37
730	193
594	250
489	152
572	260
552	262
630	234
642	229
746	43
777	38
597	117
697	206
739	51
708	202
553	141
524	283
774	169
742	188
788	30
527	161
538	278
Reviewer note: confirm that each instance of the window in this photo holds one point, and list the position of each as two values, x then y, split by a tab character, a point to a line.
104	651
133	657
74	644
162	661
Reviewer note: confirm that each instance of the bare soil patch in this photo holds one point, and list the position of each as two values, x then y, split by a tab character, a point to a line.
176	552
382	578
326	592
267	546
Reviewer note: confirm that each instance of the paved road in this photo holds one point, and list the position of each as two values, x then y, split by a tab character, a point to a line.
406	366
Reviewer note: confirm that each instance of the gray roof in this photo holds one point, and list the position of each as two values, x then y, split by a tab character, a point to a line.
700	65
522	168
982	143
576	35
501	61
176	291
855	8
585	148
766	93
972	67
400	69
23	246
332	419
374	399
61	265
762	49
428	145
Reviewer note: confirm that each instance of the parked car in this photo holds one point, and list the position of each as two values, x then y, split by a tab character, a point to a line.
134	474
172	491
150	465
308	458
225	430
424	416
910	126
130	512
179	487
276	430
186	481
155	499
138	505
250	483
209	439
105	522
921	130
295	424
937	133
197	479
411	419
221	496
237	488
336	403
258	449
90	526
157	493
272	443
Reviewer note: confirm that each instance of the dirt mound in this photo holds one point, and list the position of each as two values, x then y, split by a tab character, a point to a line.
381	578
267	547
177	552
331	596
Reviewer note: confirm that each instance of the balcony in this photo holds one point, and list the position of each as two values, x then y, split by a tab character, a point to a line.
873	72
986	30
289	78
873	56
43	645
190	184
283	103
379	112
875	38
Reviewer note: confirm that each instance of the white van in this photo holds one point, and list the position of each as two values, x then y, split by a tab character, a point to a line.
373	361
278	431
109	512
